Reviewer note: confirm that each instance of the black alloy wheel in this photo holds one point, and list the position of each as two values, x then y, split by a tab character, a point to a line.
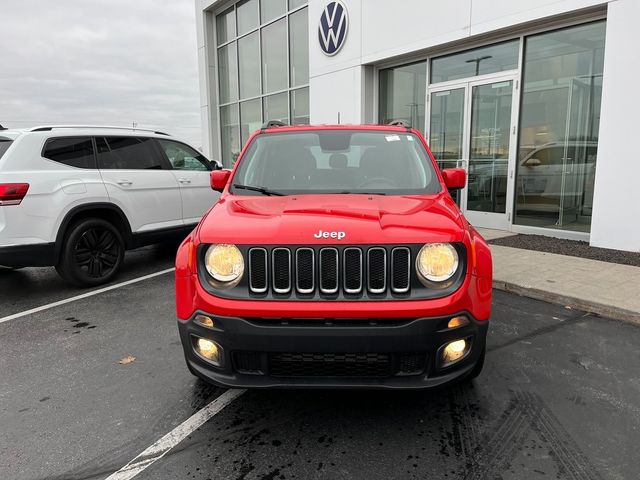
92	253
97	252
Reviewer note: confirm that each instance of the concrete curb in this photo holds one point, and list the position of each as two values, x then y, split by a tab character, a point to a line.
609	311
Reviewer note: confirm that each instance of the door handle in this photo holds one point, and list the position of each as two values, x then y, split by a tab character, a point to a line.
124	183
184	181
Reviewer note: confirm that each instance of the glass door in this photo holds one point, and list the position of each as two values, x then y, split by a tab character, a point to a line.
490	118
471	126
446	129
574	167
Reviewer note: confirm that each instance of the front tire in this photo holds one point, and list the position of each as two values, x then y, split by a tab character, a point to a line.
92	253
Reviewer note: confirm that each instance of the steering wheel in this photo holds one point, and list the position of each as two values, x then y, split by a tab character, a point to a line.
378	180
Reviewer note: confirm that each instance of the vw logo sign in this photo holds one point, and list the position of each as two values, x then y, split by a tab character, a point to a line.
332	30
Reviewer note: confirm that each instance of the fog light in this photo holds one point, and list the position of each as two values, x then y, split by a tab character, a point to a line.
208	350
204	320
454	351
456	322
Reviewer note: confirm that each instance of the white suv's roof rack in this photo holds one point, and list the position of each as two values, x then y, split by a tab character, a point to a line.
100	127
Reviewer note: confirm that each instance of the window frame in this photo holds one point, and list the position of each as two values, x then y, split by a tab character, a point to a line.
291	10
209	166
62	137
165	164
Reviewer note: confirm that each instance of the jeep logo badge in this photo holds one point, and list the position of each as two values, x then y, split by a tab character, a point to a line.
338	235
332	30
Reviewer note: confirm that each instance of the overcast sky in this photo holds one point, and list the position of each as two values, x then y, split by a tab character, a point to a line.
110	62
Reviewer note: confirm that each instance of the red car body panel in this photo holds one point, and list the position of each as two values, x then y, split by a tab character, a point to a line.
294	219
365	219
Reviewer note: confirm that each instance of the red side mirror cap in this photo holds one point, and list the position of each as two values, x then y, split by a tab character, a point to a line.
454	178
219	179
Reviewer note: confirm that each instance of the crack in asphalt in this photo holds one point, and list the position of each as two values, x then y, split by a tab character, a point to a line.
541	331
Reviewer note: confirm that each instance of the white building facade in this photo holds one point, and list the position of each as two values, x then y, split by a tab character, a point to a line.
533	98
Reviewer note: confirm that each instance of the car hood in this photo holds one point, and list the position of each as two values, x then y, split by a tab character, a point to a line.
254	220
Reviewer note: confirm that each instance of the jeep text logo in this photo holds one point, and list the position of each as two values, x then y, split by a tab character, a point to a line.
332	30
338	235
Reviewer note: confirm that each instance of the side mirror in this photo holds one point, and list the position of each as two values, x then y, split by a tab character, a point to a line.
454	178
219	179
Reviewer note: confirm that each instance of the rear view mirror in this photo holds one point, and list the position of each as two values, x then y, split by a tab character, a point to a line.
533	162
219	179
454	178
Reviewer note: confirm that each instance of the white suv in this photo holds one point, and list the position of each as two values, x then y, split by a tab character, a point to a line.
78	197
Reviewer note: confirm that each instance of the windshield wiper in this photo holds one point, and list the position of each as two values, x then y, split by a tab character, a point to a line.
347	192
264	191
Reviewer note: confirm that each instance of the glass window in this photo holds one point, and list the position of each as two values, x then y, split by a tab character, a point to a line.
74	152
228	73
559	125
300	106
249	59
479	61
402	94
226	26
183	157
230	129
129	153
255	63
5	143
330	161
250	118
248	16
276	107
274	57
299	47
270	9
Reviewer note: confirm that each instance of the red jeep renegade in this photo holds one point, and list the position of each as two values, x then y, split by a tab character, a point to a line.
335	257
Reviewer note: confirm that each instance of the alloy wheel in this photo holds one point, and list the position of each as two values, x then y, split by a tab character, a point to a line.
97	252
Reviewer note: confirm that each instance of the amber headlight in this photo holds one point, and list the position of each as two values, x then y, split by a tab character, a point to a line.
437	262
225	264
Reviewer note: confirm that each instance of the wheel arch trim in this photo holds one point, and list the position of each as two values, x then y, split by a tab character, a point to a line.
88	207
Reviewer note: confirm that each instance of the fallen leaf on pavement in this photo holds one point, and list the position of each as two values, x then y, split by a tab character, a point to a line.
127	360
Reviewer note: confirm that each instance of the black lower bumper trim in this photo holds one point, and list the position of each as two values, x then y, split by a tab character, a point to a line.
32	255
401	354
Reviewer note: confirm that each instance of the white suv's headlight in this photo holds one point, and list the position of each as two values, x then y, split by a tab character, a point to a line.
225	264
437	262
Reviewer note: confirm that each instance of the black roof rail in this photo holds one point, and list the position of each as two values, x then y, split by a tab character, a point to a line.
49	128
3	128
271	124
400	123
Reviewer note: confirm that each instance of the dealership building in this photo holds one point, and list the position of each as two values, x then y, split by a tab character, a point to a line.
534	98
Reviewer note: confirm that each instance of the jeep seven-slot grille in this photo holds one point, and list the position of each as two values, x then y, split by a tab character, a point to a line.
329	271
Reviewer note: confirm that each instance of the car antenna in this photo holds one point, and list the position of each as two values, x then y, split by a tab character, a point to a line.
338	118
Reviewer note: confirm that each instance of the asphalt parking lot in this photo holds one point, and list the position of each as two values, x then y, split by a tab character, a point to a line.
559	398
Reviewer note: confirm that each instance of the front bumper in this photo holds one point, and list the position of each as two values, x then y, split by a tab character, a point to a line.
29	255
406	349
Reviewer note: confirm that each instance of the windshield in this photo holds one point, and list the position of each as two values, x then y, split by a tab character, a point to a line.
5	143
336	161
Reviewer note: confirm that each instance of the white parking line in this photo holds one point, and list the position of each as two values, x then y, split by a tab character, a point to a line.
174	437
84	295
